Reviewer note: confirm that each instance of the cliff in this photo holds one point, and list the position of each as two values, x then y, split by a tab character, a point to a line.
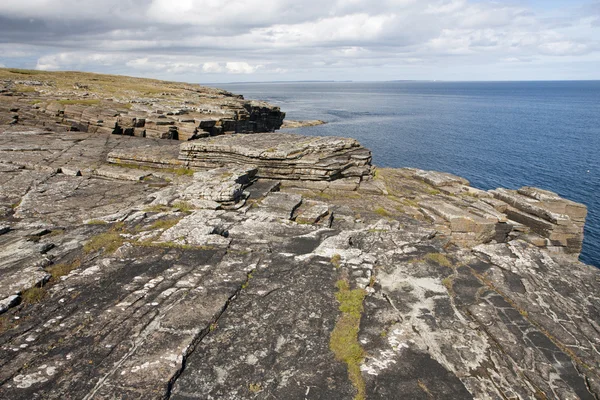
95	103
280	266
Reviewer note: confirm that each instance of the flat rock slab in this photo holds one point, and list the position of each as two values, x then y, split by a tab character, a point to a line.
439	179
312	212
262	187
281	204
223	185
123	174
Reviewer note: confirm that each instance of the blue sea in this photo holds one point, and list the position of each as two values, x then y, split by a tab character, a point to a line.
495	134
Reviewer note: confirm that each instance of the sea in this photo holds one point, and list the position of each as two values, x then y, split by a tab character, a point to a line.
495	134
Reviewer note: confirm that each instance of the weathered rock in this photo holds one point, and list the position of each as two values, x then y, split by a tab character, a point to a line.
384	292
559	220
280	204
208	111
282	156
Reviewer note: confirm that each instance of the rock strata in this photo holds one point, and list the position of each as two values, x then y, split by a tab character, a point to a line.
150	279
129	106
283	156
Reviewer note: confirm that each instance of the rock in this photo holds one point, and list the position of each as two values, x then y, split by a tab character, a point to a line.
280	204
4	229
288	124
549	216
281	156
9	302
312	212
439	179
222	185
201	228
123	174
413	285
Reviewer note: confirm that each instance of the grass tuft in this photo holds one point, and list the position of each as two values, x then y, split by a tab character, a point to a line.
108	241
381	211
344	338
336	260
183	206
33	295
439	258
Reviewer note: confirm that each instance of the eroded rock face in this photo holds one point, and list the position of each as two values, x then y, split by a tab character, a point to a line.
130	107
218	284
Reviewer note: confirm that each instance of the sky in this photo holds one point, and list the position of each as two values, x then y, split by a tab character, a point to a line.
212	41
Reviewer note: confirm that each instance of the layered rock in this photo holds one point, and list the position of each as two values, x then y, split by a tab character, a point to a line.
474	216
150	280
130	106
283	156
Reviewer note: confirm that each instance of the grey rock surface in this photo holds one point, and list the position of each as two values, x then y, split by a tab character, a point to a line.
215	285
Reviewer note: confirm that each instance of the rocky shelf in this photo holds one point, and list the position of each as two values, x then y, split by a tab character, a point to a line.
255	266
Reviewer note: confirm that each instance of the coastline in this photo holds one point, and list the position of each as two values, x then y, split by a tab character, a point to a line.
159	266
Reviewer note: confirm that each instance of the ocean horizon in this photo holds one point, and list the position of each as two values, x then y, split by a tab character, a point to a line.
494	133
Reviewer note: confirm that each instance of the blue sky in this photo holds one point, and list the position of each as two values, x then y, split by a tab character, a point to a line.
258	40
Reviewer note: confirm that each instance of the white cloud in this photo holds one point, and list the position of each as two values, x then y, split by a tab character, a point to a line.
196	38
212	67
240	67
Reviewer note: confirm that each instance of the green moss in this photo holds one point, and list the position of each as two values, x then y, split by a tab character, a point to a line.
433	192
410	203
344	337
439	258
33	295
24	89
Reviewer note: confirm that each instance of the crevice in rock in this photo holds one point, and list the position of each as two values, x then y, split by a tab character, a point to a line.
203	333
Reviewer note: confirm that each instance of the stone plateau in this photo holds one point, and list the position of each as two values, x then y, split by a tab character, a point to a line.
159	279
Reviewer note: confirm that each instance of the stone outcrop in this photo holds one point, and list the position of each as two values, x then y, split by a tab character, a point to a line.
126	273
283	156
130	106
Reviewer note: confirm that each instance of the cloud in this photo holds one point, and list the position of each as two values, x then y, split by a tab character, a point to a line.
192	39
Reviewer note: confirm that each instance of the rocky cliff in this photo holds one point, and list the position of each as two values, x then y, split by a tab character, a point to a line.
119	105
280	266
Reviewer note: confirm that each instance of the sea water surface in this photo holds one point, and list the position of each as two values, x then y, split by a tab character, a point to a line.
495	134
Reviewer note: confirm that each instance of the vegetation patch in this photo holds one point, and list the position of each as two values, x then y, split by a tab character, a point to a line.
157	208
183	206
439	258
59	270
163	224
344	338
33	295
336	260
108	241
381	211
255	387
183	171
